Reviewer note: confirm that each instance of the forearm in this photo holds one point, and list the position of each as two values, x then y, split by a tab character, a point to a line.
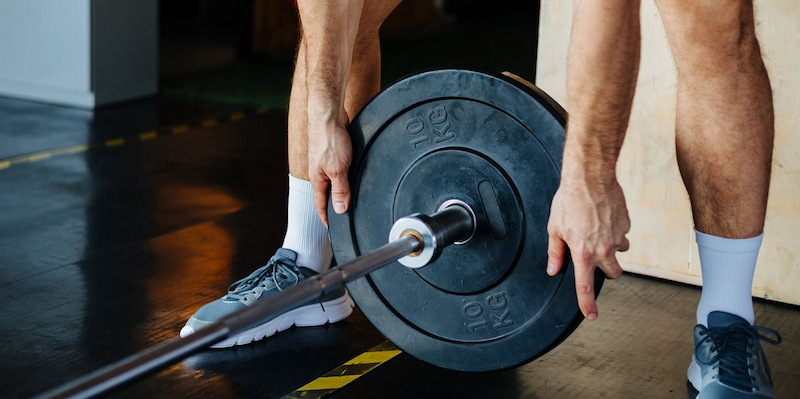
329	32
602	70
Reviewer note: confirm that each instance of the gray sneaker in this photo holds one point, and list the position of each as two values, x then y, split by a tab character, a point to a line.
729	361
280	273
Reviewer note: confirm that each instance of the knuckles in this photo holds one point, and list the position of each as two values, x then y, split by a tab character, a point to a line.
605	250
335	173
584	288
585	253
588	251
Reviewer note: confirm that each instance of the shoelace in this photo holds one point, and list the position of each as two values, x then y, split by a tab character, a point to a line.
731	345
259	277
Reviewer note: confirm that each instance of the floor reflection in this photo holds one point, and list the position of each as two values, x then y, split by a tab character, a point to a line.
112	250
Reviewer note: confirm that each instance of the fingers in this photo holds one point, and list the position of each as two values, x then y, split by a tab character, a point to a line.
625	246
320	188
584	286
609	263
611	268
340	192
555	254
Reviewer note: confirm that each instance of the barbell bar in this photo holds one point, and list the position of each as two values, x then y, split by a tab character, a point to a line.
417	237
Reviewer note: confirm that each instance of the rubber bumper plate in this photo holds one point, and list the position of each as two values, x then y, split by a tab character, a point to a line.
495	142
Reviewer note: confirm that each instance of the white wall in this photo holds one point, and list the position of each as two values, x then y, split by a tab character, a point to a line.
44	50
82	53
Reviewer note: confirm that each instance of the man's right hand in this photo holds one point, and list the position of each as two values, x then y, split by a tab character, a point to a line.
329	155
590	218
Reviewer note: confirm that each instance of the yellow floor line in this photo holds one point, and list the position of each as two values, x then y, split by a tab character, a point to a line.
328	383
148	135
39	156
373	357
71	150
119	141
115	142
346	373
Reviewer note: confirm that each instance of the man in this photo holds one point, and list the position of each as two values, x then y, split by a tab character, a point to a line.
724	136
337	71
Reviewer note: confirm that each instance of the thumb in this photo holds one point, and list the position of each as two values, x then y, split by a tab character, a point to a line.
340	193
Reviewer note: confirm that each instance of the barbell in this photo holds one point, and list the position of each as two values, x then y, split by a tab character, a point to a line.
458	169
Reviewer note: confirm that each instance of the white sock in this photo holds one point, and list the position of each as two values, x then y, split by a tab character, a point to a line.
305	233
728	265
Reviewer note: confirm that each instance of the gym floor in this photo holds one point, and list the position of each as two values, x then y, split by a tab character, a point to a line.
108	250
118	224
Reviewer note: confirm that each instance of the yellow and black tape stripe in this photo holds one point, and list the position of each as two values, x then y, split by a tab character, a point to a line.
120	141
42	155
339	377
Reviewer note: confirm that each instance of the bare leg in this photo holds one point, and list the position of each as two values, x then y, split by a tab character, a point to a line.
363	82
306	241
724	129
724	138
365	73
298	121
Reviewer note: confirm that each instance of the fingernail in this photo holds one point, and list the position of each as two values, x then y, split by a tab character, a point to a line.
592	316
339	207
551	268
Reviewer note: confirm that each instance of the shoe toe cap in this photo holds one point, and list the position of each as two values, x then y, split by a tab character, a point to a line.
186	331
208	314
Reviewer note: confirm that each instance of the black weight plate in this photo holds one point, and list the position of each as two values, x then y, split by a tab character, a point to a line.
494	142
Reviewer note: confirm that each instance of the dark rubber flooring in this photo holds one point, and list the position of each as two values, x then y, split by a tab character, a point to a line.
107	252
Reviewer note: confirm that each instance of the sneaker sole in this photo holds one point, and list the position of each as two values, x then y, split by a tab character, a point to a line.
691	393
695	378
305	316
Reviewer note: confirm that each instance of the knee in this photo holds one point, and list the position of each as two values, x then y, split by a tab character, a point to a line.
709	31
373	15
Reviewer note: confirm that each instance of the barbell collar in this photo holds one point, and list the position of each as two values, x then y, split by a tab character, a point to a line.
454	223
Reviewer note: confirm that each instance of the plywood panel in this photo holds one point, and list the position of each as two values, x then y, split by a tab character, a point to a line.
662	240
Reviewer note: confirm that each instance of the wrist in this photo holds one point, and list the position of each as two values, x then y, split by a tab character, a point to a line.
591	154
585	165
323	115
